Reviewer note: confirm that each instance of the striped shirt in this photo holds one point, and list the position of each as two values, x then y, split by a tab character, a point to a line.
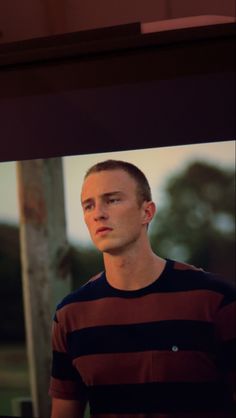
164	351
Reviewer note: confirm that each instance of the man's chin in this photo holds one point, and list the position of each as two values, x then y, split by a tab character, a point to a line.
108	248
113	246
113	250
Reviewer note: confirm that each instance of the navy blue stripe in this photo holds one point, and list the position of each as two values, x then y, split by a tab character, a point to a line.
55	318
229	297
159	397
171	280
227	355
62	368
162	335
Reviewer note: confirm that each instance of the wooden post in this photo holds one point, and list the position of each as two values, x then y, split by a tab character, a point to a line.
45	265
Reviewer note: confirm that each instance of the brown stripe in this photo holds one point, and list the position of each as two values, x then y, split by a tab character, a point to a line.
226	322
63	389
190	305
93	278
142	367
183	266
58	339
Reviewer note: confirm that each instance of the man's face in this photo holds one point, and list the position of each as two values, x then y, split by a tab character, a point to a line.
112	214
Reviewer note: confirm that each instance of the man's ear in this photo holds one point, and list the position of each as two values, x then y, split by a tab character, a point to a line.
149	210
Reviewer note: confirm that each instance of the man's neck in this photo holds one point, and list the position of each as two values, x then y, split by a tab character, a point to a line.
132	270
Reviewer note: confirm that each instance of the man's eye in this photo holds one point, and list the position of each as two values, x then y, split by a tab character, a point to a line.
88	207
113	200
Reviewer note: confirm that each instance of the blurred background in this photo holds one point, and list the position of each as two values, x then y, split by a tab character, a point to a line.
194	189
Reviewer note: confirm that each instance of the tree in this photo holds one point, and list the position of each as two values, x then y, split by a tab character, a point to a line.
11	307
86	262
196	222
83	261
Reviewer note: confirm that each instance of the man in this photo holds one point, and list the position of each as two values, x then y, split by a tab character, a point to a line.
148	337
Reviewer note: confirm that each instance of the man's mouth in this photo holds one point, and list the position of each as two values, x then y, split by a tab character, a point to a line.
103	229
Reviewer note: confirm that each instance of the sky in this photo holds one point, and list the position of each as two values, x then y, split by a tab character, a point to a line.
158	164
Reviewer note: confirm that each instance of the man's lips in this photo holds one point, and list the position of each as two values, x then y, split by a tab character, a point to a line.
103	229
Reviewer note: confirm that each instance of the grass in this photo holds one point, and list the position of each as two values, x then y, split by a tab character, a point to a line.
14	378
6	397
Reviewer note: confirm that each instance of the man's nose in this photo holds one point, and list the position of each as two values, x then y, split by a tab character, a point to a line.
100	212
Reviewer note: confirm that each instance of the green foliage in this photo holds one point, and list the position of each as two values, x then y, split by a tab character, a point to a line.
196	222
86	262
11	306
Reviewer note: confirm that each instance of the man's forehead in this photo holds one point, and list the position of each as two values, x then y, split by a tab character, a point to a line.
109	181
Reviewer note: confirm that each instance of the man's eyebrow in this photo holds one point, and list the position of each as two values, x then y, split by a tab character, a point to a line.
108	194
118	192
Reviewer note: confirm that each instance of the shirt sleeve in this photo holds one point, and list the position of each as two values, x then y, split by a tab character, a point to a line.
226	336
65	382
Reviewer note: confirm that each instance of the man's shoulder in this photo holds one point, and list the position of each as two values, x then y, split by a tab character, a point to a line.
180	265
87	292
197	278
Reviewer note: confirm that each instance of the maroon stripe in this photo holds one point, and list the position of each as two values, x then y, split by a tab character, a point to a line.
226	322
183	266
58	339
112	311
143	367
63	389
